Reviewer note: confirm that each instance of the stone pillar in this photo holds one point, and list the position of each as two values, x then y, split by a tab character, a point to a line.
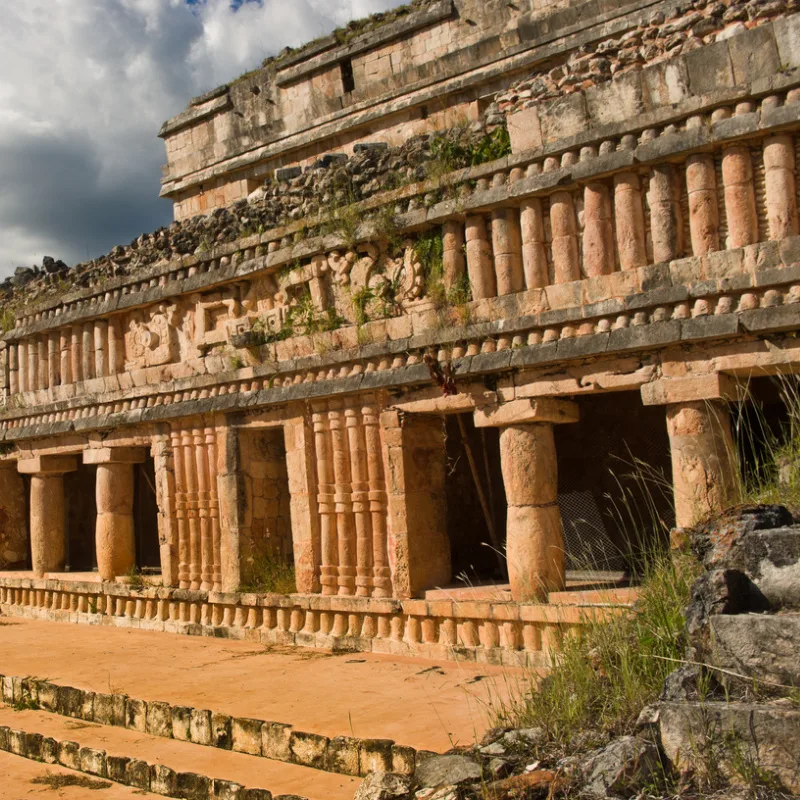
213	506
44	361
87	351
114	534
666	228
33	364
703	459
116	346
418	544
360	496
507	248
181	518
701	185
479	259
534	535
165	497
740	196
192	508
53	360
564	228
231	503
534	254
329	551
13	368
298	437
779	163
381	574
345	527
47	516
101	348
453	253
598	236
22	365
65	356
75	354
204	510
629	219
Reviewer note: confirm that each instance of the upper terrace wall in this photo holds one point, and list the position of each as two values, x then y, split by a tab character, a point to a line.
440	63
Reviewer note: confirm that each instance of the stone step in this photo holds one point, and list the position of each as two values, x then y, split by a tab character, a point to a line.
34	780
277	741
739	740
763	647
165	767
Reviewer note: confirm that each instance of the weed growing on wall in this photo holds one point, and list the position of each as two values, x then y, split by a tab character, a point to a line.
267	574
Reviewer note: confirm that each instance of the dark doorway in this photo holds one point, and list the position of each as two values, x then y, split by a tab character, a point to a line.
614	482
81	513
473	472
145	517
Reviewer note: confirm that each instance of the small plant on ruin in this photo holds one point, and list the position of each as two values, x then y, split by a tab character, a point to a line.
429	249
26	702
269	574
361	301
135	579
235	362
7	319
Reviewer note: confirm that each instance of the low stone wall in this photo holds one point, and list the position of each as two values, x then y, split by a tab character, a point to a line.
347	755
512	634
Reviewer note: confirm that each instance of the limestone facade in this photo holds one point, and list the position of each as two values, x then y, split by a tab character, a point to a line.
291	390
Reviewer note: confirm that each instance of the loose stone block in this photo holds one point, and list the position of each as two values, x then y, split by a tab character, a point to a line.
182	723
200	726
191	786
69	755
136	714
33	746
403	760
343	755
159	719
71	702
221	731
163	780
93	761
275	741
137	773
375	755
117	768
246	735
49	750
309	749
226	790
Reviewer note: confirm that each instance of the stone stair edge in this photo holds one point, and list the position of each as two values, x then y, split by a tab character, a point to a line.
346	755
156	778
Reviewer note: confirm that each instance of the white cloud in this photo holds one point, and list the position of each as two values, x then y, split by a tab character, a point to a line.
84	87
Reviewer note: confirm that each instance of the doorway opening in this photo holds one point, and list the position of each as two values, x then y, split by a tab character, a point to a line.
81	514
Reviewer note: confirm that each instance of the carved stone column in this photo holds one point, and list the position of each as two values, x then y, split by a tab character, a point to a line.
779	164
76	360
65	357
13	368
44	362
165	497
507	248
181	518
453	253
665	214
629	219
87	351
213	507
479	259
534	536
204	510
329	554
345	529
47	518
53	360
22	365
101	348
534	255
360	498
564	226
114	534
701	185
598	236
381	580
192	508
740	196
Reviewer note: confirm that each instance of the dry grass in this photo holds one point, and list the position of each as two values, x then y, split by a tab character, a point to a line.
62	780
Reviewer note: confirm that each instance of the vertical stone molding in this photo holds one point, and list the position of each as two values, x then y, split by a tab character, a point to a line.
229	493
598	235
87	351
180	510
479	259
116	346
701	187
507	249
629	221
381	574
329	549
47	513
53	359
740	196
192	515
44	369
65	356
31	365
204	509
666	230
534	253
703	459
564	226
164	465
780	186
114	534
534	536
343	503
213	506
454	259
360	496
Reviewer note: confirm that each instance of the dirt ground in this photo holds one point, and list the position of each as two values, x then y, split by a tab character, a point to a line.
425	704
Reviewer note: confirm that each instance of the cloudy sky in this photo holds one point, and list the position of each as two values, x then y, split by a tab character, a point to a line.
84	88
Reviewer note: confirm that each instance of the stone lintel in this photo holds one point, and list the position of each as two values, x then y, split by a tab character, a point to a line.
440	404
519	412
47	465
114	455
716	386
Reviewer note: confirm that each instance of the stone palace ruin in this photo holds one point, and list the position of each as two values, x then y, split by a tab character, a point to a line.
432	280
